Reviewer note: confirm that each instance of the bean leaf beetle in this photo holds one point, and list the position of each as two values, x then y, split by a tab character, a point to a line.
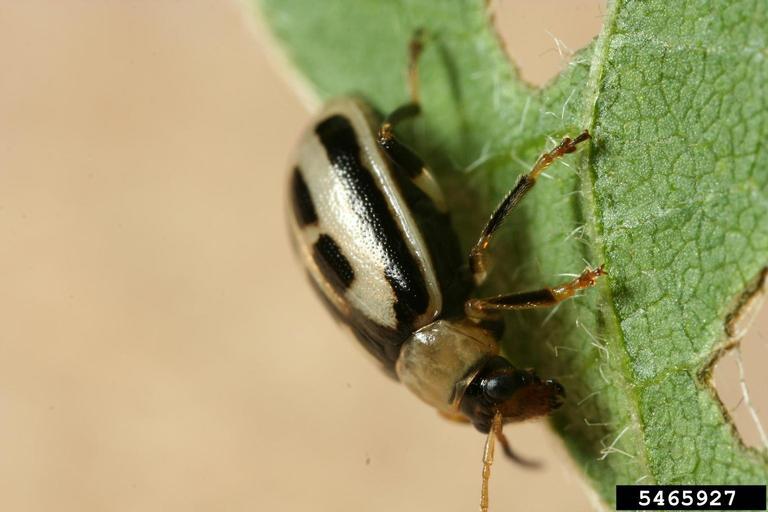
371	226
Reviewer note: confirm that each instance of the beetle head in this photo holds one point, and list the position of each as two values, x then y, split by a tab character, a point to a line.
517	394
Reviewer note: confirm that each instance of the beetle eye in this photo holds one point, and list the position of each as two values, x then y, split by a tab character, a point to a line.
502	387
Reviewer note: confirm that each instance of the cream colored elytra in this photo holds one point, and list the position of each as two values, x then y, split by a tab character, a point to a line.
338	209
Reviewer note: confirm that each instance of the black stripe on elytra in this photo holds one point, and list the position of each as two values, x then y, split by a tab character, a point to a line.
381	341
442	243
334	266
301	199
402	271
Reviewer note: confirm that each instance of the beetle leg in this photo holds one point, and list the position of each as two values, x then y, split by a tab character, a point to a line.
414	52
511	455
401	155
546	297
477	256
413	108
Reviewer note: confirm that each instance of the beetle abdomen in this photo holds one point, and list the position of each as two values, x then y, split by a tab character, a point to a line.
362	244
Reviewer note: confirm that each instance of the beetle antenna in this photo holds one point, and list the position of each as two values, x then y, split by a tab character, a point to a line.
490	447
512	455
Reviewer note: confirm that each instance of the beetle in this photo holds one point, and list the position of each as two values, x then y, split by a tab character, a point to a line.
371	225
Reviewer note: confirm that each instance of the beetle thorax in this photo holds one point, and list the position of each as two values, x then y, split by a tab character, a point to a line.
440	360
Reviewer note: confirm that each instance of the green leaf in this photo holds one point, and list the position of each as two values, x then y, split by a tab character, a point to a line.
672	196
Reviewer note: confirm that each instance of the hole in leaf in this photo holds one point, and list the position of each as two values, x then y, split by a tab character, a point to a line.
541	36
740	377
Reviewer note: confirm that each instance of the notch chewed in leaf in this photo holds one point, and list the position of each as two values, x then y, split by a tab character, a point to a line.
737	371
672	197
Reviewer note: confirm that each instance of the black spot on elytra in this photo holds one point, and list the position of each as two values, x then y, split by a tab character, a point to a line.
303	207
334	266
381	341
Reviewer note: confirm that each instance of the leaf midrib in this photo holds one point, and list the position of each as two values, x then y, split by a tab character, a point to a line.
595	229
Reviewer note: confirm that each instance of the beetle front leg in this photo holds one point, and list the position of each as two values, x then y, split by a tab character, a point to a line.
478	264
546	297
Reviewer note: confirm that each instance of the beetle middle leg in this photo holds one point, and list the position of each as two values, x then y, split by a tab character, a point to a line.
478	255
546	297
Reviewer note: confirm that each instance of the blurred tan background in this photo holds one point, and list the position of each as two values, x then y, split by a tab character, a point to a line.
159	347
